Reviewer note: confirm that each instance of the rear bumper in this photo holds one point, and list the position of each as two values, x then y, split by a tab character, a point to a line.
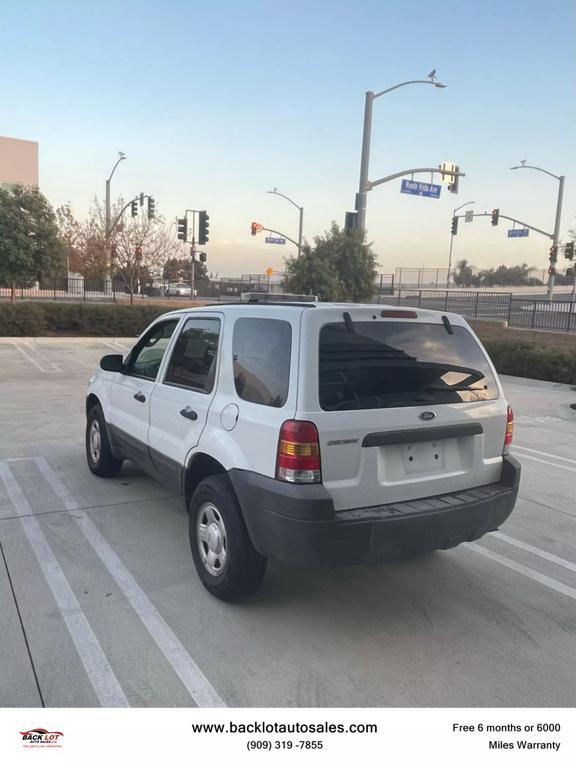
298	524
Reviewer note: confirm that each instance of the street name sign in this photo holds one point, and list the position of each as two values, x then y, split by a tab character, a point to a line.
518	232
276	240
420	188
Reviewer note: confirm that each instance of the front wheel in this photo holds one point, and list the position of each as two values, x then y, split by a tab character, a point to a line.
101	460
227	563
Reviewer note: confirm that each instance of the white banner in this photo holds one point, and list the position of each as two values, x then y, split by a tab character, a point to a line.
108	738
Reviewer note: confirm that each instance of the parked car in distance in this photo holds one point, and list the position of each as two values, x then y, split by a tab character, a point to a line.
314	433
179	289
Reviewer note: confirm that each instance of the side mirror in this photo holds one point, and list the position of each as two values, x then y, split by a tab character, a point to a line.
113	363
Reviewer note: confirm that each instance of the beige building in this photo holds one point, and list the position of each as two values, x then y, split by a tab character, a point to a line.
18	162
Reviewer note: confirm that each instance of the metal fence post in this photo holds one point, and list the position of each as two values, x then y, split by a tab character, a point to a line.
445	298
509	307
420	298
476	304
570	311
533	321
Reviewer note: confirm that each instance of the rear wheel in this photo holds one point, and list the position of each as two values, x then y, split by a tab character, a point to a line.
227	563
101	460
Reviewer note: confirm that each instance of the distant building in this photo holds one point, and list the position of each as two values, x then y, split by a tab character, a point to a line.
18	162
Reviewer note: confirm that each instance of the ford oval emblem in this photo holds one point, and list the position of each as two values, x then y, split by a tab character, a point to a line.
427	415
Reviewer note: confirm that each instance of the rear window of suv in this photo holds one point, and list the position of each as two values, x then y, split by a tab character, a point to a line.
386	364
261	354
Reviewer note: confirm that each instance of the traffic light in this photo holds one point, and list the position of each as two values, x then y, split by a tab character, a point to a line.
141	199
495	216
151	207
255	228
553	254
203	227
139	253
134	208
183	229
570	272
202	256
454	225
453	185
569	251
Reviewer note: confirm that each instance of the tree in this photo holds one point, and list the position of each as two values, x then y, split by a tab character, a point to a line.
339	267
30	246
72	235
140	249
179	269
463	275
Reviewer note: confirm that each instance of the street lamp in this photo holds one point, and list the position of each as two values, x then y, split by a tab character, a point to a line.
300	208
454	212
360	206
556	236
107	234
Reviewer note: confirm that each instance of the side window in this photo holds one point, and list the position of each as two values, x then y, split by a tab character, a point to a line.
147	355
261	355
193	361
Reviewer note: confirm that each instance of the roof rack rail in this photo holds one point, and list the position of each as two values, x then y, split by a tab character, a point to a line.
256	297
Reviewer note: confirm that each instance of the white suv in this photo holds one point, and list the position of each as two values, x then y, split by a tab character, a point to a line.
311	432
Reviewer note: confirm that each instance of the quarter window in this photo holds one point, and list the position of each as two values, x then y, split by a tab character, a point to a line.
147	355
261	355
193	361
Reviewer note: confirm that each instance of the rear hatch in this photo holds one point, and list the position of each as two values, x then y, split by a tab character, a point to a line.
406	403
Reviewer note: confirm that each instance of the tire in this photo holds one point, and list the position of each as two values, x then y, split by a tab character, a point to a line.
227	563
101	460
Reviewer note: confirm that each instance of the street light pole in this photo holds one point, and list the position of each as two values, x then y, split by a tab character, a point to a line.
557	220
301	214
454	212
108	229
363	186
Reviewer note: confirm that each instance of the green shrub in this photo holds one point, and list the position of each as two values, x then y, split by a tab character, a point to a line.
22	319
533	361
37	319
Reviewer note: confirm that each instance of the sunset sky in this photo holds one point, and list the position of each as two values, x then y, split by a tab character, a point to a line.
216	102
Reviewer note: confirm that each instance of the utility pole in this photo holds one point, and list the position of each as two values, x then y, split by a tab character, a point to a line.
301	216
454	212
557	220
108	228
192	250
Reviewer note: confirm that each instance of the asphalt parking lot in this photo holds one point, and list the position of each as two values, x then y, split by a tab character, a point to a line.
101	604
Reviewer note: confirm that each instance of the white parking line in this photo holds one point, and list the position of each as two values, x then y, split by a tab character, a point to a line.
98	669
543	453
543	461
557	586
194	680
35	352
29	358
536	551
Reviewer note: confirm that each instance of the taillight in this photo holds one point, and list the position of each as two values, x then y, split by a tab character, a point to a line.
509	430
298	459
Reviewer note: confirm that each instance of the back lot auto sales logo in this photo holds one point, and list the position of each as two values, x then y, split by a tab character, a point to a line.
40	737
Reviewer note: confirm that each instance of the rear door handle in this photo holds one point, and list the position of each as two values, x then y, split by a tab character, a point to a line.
140	397
188	413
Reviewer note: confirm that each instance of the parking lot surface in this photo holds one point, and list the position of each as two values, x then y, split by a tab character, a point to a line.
101	604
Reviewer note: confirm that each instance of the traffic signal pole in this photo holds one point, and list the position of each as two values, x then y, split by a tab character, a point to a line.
364	185
556	239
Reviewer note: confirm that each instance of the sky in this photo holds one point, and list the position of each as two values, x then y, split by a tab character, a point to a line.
214	103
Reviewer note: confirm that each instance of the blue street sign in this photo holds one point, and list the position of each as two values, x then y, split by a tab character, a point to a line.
420	188
518	232
276	240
